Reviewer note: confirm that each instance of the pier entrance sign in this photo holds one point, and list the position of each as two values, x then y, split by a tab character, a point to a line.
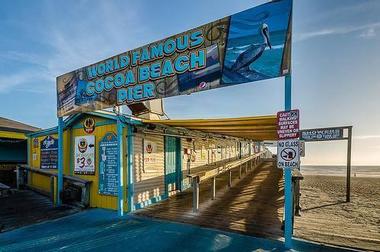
248	46
288	155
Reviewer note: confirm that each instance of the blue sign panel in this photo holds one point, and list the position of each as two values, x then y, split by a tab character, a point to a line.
108	171
248	46
49	153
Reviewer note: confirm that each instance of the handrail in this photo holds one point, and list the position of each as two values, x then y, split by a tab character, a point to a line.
213	173
22	178
49	173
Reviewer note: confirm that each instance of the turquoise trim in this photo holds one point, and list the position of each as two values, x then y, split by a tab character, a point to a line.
71	150
179	162
120	166
44	132
130	168
28	153
71	119
288	232
60	159
97	124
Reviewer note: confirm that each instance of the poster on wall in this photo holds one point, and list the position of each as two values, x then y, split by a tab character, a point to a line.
248	46
150	148
49	153
108	170
84	155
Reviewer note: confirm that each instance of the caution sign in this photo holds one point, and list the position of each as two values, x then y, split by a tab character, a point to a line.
288	124
288	154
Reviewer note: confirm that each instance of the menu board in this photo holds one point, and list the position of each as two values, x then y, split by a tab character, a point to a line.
49	153
108	170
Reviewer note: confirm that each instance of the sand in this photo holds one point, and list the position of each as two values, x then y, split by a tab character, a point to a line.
327	218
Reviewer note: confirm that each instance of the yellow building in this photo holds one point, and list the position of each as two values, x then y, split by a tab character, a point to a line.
160	157
13	148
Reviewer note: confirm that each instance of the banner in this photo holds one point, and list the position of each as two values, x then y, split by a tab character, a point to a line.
84	155
249	46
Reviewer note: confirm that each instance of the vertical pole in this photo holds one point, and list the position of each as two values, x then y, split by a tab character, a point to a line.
229	178
239	171
120	195
195	194
130	168
213	188
28	155
348	182
60	160
288	175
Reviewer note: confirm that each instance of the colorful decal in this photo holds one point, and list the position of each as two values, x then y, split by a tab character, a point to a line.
49	153
84	155
108	171
89	125
248	46
150	148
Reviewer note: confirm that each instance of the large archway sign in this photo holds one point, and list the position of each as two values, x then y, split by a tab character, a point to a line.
249	46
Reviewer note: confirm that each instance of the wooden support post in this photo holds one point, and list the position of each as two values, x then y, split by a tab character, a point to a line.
52	188
239	171
195	185
18	171
213	188
229	178
348	179
61	126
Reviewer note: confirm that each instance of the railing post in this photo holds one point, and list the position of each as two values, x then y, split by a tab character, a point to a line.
18	177
239	171
229	178
213	188
52	188
195	183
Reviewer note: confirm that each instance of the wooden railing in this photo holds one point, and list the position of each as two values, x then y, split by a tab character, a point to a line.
25	173
198	176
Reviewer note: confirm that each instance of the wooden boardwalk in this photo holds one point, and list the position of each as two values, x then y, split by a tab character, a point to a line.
27	207
254	204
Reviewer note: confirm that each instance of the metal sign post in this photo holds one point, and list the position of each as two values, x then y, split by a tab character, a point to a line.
288	175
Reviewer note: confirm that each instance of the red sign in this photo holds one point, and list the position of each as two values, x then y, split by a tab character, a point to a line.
288	124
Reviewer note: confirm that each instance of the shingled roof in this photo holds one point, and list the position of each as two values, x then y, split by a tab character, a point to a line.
14	126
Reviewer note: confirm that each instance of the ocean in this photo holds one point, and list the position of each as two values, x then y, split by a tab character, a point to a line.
340	170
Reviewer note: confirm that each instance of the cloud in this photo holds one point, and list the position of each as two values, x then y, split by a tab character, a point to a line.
68	41
17	80
367	30
369	33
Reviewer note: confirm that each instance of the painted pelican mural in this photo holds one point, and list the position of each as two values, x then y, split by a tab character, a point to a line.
253	52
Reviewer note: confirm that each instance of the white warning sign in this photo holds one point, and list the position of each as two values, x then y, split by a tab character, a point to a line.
288	154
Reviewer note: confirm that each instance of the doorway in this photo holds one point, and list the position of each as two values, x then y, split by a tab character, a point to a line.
173	167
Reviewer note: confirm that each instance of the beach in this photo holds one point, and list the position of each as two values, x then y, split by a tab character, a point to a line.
327	218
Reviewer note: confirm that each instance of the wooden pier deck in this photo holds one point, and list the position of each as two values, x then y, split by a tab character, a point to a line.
26	207
254	204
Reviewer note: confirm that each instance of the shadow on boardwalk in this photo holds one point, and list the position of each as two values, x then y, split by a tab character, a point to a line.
254	204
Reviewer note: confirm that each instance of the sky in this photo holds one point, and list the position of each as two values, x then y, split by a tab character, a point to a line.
335	62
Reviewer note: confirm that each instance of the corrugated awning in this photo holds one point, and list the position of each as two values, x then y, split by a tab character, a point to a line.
255	128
